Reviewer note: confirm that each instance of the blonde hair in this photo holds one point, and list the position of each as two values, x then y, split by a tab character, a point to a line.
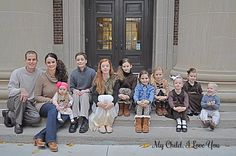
213	84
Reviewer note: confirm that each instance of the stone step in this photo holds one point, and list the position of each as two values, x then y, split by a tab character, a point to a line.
123	135
225	107
228	120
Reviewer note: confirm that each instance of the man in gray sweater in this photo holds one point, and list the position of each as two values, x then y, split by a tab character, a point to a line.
21	94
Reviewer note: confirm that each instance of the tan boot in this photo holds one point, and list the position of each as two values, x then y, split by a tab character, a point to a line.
126	110
146	124
121	109
159	111
164	111
138	124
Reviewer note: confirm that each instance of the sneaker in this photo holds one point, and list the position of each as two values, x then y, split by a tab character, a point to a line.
73	126
18	129
205	124
84	126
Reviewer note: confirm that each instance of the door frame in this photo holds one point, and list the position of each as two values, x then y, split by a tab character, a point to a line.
90	28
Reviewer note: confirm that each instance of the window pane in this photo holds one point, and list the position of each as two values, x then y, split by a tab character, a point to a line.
133	32
104	33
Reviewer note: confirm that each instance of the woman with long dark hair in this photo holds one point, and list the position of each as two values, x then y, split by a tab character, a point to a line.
44	90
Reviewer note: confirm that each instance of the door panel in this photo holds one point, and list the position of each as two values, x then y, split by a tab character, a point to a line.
116	29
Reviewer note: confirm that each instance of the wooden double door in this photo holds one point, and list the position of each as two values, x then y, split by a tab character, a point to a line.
116	29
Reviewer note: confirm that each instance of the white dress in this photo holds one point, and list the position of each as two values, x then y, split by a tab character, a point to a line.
101	117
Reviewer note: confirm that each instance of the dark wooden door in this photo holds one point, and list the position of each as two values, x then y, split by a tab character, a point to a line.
116	29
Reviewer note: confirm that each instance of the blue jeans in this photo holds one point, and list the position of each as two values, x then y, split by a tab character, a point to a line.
49	133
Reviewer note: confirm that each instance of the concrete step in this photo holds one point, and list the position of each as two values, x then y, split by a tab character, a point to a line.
228	120
225	107
123	135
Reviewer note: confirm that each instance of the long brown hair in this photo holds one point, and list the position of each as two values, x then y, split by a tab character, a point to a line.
99	82
61	72
120	72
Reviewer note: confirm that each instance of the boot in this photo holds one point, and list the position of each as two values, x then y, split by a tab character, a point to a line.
121	109
126	110
146	124
164	111
159	111
138	124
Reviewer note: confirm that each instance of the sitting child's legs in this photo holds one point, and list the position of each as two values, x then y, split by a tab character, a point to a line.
59	117
71	118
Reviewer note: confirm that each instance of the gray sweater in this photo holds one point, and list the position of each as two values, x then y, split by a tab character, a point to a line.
82	80
21	78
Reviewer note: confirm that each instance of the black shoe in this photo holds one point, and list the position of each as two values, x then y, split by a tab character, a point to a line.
8	122
73	126
184	128
18	129
190	113
196	113
178	128
84	126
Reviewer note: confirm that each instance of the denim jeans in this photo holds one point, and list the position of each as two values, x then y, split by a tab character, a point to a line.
49	133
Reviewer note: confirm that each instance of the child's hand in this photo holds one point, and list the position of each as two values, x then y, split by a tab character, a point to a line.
182	109
101	105
121	96
109	106
210	103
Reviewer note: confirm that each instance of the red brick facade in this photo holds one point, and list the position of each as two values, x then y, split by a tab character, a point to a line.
58	21
176	22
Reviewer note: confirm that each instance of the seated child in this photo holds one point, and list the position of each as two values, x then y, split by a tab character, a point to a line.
161	87
194	90
143	97
63	101
178	101
126	84
210	107
100	117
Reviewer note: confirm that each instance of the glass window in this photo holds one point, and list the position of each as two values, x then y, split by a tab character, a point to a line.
133	32
104	33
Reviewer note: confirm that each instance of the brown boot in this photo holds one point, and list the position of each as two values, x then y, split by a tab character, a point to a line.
138	124
164	111
126	110
121	109
159	111
146	123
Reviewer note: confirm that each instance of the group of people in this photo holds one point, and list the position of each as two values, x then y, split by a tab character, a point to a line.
57	96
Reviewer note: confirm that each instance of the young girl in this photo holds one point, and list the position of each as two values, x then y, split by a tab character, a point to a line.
143	97
126	84
63	101
162	90
178	101
105	108
194	90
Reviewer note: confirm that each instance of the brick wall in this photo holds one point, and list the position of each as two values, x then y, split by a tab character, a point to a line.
176	22
58	21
